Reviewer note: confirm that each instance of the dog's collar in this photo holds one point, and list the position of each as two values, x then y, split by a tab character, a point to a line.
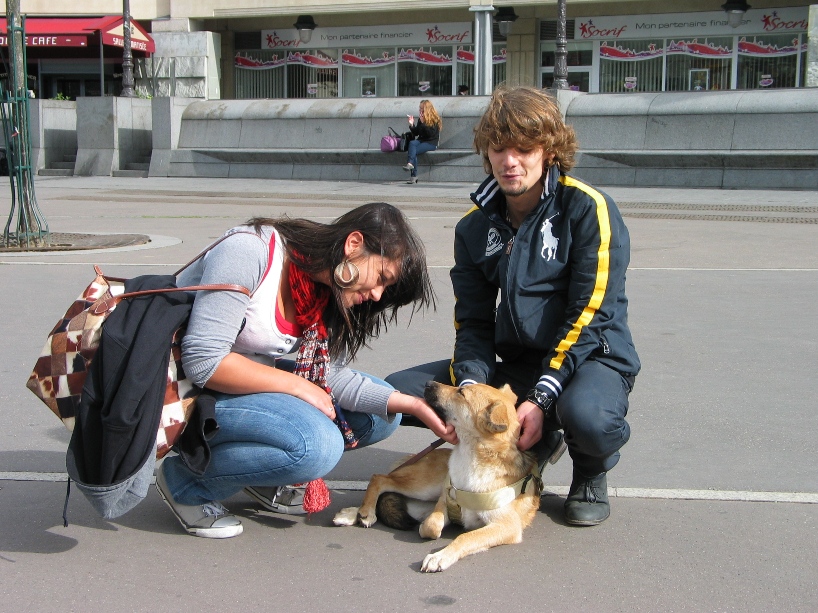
489	501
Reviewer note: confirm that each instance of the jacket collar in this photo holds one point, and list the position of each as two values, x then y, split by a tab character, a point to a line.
492	202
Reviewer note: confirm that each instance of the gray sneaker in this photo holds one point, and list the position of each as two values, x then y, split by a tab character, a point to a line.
210	520
285	499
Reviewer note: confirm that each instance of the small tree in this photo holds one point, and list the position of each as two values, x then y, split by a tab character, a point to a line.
31	227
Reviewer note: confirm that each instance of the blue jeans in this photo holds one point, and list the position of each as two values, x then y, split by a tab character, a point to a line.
267	440
415	149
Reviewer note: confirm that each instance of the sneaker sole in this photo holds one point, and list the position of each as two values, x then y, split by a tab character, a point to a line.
275	508
585	522
558	451
210	533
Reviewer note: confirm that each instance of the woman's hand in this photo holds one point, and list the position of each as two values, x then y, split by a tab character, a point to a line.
315	396
411	119
417	407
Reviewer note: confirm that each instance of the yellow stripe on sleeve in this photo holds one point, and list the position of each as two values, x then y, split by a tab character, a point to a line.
602	269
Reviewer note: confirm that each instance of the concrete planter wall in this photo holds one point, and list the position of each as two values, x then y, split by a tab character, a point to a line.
736	139
53	132
111	133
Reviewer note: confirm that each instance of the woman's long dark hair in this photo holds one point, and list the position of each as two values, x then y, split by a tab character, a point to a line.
317	248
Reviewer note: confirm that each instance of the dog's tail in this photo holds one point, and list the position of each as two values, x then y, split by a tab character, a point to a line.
393	511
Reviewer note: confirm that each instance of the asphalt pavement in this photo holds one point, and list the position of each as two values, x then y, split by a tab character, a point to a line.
714	502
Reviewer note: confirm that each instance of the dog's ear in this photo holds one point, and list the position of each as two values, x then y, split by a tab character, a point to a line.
494	418
506	390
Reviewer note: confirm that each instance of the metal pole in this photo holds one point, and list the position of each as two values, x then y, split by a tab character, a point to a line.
561	52
127	54
483	60
15	40
101	67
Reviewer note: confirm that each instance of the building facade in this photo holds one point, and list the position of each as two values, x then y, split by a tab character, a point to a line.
358	48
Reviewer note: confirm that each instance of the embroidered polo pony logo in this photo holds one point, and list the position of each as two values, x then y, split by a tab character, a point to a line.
549	241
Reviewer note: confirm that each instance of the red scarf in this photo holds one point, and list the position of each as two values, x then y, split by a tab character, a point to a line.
312	361
310	300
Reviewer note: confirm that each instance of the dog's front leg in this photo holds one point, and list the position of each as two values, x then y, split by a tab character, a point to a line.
378	484
504	532
432	526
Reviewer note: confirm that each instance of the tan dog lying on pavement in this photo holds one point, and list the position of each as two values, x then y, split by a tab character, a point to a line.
485	483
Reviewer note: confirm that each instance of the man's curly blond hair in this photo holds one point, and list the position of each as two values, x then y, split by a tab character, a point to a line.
525	118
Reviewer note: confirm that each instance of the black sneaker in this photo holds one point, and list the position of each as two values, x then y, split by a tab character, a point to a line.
587	503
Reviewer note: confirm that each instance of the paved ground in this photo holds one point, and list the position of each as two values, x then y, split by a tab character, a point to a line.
716	496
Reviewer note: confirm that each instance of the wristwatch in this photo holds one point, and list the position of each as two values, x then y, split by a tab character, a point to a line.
542	400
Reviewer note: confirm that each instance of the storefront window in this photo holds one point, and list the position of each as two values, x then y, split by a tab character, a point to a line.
260	74
312	74
465	65
630	66
766	62
699	64
579	59
425	71
364	72
368	73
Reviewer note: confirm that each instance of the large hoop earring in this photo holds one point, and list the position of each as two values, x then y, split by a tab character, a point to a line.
349	268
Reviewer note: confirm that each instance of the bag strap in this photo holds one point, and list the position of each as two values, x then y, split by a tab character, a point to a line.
392	132
109	304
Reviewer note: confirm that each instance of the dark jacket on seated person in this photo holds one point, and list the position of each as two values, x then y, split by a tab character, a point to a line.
426	134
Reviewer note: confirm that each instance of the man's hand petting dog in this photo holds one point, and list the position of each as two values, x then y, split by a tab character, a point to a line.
486	483
531	422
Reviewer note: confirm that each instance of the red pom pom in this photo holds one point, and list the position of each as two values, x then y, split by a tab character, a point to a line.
316	496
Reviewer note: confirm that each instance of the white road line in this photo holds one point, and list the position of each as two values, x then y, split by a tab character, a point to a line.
554	490
159	265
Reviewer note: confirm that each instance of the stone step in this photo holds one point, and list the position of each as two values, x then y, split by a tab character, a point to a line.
138	165
56	172
63	165
130	173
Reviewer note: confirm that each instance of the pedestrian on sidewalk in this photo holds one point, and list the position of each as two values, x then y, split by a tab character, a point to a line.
324	290
426	133
556	250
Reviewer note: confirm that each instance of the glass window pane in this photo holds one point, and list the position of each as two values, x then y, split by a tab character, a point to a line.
259	74
369	72
766	62
312	74
699	65
425	71
631	65
578	54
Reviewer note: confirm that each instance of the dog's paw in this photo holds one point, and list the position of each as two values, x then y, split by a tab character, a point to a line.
346	517
436	562
432	527
368	520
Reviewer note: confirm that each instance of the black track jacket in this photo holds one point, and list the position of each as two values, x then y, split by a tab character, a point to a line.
561	280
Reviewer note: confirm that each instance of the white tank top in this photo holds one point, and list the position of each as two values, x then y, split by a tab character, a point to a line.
266	335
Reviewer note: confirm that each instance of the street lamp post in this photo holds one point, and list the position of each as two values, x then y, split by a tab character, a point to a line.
127	54
561	52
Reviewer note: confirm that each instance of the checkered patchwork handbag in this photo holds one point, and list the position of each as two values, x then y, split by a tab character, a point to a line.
62	367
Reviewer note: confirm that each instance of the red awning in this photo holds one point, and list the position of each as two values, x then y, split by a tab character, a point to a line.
74	32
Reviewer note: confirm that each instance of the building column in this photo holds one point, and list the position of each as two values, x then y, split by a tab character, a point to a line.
483	58
522	50
812	47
